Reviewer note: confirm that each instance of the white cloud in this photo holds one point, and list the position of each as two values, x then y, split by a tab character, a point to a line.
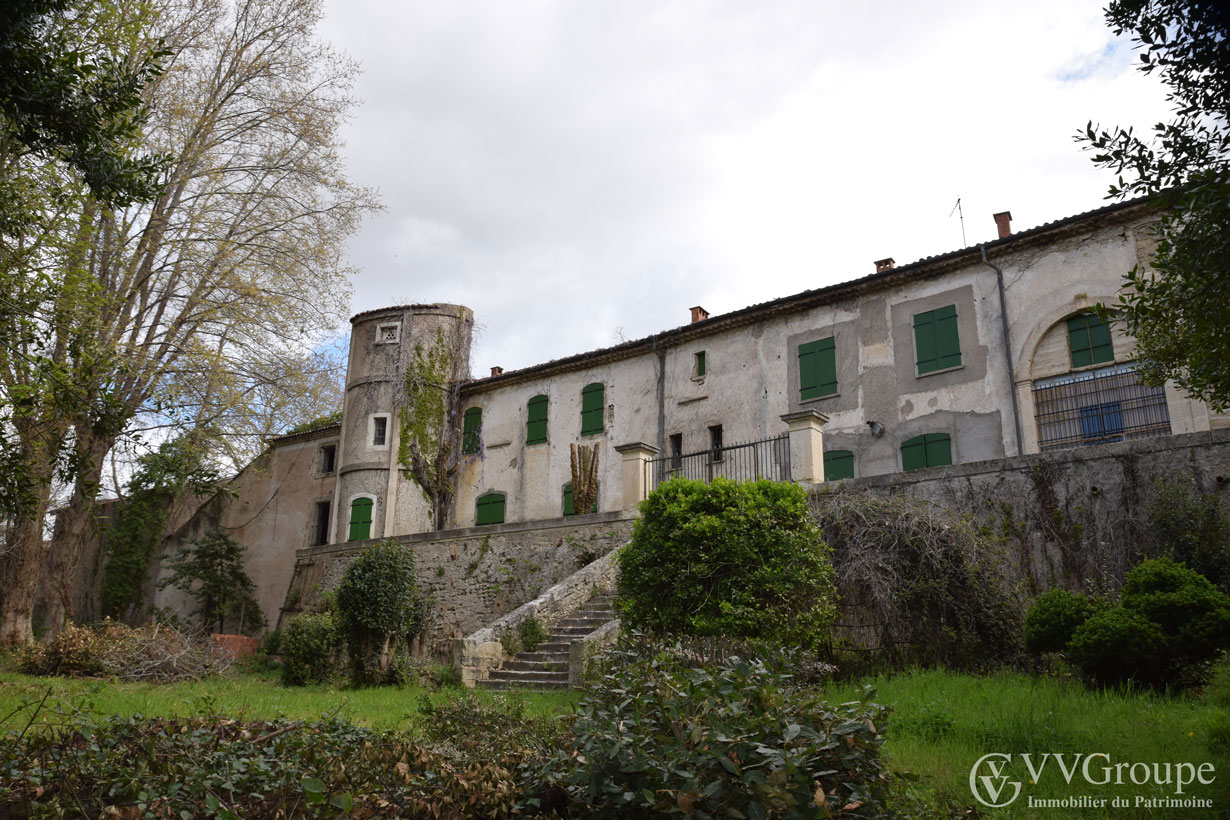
573	169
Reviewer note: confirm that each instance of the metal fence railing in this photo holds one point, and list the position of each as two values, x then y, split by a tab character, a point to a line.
768	458
1098	407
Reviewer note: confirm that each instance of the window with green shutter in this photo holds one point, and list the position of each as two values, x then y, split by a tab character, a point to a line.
699	367
593	397
1089	340
817	369
929	450
838	464
536	424
360	519
936	341
472	430
489	509
568	508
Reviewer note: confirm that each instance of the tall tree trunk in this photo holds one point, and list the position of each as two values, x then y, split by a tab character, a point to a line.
24	558
75	528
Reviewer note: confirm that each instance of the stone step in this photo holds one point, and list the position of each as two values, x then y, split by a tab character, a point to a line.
588	623
563	645
514	676
544	656
504	685
520	664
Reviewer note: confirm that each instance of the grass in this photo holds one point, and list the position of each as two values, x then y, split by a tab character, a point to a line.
245	695
943	722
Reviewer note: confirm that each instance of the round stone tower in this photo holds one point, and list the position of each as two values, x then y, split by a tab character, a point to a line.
382	347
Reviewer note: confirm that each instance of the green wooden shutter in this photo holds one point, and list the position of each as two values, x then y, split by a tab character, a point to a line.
838	464
489	509
536	426
817	369
471	430
913	454
936	339
360	519
700	364
930	450
592	401
568	507
939	449
1089	340
947	340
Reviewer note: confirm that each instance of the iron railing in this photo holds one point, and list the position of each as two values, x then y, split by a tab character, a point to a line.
1098	407
768	458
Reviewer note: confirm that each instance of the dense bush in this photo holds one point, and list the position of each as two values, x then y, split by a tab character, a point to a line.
734	739
380	609
1193	615
223	768
726	559
1191	528
1171	623
309	648
1117	645
154	652
918	585
1053	617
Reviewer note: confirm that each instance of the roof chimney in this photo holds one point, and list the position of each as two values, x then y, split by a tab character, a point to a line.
885	264
497	370
1003	221
699	314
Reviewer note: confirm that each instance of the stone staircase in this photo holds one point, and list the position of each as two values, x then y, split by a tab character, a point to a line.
547	666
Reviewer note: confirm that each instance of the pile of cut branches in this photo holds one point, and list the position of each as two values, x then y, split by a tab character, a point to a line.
153	652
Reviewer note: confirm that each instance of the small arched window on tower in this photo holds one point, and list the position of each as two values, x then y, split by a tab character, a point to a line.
361	519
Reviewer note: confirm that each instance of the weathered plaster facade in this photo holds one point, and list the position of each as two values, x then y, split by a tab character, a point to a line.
1012	298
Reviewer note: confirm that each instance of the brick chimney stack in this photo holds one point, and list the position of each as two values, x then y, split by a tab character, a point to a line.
699	314
497	370
1003	221
885	264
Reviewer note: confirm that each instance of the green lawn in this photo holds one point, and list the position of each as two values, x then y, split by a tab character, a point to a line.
242	695
943	722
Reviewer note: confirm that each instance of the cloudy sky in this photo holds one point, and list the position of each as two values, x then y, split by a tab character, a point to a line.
582	171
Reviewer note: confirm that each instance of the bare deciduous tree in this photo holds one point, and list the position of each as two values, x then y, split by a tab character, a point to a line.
172	309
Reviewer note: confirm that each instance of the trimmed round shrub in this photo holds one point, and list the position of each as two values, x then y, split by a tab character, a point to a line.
309	647
1118	645
1053	617
728	560
380	609
1193	615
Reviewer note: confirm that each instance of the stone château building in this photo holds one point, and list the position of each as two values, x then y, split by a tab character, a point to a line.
978	354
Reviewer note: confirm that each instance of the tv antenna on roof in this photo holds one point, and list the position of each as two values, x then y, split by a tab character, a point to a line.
957	210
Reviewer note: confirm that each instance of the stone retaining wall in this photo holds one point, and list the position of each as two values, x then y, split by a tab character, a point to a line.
1074	518
477	574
